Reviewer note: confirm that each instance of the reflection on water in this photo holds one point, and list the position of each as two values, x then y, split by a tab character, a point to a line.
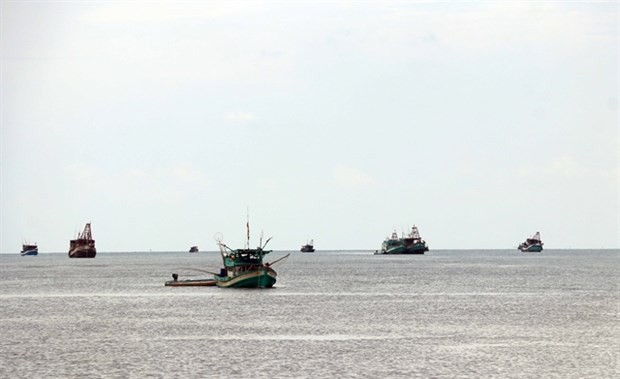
457	314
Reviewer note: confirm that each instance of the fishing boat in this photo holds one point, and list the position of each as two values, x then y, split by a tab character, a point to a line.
193	249
175	282
532	244
244	268
409	244
28	249
308	247
84	245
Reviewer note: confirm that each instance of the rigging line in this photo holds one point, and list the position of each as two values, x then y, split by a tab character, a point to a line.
197	269
278	260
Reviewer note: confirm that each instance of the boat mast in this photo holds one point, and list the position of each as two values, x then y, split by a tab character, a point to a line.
247	226
86	234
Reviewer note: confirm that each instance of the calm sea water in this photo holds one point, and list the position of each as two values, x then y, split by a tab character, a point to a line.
447	314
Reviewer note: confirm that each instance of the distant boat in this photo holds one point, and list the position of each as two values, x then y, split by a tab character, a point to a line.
308	247
244	268
193	249
175	282
410	244
532	244
28	249
84	245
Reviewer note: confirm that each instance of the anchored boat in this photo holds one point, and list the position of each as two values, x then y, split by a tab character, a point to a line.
308	247
532	244
244	268
84	245
28	249
193	249
410	244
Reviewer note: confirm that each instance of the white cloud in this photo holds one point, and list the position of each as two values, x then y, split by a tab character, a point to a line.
240	116
162	11
171	184
427	32
567	166
351	177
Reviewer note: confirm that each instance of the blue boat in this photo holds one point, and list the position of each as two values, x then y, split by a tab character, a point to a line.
29	249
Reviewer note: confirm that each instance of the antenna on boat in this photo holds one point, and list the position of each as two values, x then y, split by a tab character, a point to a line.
218	237
260	243
266	242
247	225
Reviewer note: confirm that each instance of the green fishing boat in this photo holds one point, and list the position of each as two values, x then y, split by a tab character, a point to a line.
410	244
532	245
244	268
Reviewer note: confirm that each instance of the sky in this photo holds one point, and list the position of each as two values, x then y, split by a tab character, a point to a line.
164	123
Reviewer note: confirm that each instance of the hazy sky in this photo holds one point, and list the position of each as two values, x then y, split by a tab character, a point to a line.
161	123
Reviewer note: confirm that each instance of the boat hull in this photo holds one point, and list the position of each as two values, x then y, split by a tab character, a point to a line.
416	249
531	249
261	278
30	252
83	252
191	283
307	249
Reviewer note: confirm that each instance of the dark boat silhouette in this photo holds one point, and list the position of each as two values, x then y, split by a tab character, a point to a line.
308	247
84	245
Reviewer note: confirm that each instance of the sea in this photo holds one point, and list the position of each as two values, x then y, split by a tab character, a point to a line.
331	314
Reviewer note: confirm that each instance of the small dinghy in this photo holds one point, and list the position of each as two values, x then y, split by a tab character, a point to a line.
175	282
